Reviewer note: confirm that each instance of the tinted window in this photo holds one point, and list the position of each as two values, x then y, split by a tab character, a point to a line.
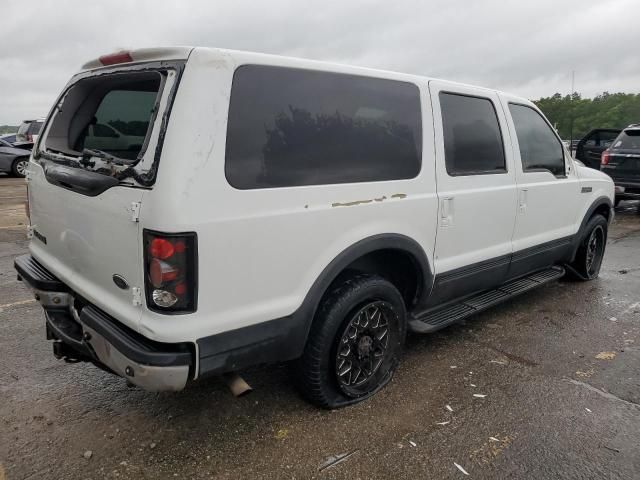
291	127
472	137
540	149
628	139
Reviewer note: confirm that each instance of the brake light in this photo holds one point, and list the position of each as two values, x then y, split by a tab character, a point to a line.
170	271
604	158
29	138
115	58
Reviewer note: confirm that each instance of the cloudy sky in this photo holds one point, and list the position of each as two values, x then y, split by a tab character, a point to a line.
524	47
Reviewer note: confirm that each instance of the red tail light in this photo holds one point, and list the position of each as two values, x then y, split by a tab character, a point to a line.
604	158
29	138
170	271
115	58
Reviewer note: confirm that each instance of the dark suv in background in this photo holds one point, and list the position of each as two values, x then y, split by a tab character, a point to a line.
621	161
589	149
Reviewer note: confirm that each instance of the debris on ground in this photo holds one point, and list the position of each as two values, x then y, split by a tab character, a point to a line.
461	469
412	443
494	439
587	409
613	319
479	395
87	454
473	385
282	433
443	423
334	460
448	407
499	362
606	355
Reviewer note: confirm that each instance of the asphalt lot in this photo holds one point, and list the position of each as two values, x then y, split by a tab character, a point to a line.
560	368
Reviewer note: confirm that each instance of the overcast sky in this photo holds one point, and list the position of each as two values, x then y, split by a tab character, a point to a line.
524	47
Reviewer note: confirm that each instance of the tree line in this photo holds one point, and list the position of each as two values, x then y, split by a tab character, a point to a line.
608	110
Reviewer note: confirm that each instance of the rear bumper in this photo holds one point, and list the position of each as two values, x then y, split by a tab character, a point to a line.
82	332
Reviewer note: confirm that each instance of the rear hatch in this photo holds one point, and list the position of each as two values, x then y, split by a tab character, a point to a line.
98	154
624	158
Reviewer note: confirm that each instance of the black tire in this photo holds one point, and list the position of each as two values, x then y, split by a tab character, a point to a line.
360	328
590	253
19	167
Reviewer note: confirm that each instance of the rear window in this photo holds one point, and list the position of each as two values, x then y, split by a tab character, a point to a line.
628	139
108	114
293	127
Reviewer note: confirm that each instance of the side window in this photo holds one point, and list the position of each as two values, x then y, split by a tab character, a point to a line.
540	149
472	138
292	127
607	138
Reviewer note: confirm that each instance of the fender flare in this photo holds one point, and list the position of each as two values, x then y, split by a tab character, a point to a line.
598	202
385	241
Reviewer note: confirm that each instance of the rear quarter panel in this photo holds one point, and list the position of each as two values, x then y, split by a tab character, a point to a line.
261	250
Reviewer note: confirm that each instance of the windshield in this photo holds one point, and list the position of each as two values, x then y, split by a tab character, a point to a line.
628	139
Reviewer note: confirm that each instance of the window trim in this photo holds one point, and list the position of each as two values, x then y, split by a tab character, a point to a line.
555	134
504	149
421	127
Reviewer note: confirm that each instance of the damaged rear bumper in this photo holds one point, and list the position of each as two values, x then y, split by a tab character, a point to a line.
82	332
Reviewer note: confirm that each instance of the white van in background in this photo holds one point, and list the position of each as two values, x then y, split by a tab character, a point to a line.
282	209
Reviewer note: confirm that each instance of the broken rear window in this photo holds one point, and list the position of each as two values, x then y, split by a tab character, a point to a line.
107	115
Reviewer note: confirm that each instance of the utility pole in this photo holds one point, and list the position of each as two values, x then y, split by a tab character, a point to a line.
573	80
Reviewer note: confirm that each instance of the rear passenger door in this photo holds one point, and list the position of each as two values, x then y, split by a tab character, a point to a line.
476	191
548	191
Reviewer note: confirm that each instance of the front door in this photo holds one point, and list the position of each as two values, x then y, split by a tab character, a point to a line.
476	191
548	191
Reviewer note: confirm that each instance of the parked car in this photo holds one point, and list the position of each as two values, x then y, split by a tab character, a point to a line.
10	138
283	209
13	160
621	161
28	131
589	149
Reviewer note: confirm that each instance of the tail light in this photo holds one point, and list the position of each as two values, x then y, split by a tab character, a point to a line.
604	158
29	138
171	281
115	58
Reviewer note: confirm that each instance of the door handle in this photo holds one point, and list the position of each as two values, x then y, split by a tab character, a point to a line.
446	212
522	203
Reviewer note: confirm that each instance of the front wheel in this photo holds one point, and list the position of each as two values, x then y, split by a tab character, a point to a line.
19	167
354	344
591	250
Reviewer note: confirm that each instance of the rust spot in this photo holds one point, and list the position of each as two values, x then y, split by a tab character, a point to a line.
399	195
351	204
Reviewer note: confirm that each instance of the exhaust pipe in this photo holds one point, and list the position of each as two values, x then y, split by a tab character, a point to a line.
236	384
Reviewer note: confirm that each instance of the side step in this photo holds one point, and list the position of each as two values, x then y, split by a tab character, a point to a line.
435	319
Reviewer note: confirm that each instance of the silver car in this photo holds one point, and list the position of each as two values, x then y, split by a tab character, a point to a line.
13	160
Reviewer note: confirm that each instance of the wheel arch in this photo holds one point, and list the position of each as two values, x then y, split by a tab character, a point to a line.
600	206
362	256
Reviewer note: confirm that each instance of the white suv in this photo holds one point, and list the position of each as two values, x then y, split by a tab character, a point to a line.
282	209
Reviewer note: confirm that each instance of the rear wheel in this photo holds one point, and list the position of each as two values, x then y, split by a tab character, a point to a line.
355	342
19	167
591	250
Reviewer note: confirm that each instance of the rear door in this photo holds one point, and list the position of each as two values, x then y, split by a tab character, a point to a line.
84	219
624	160
476	191
590	148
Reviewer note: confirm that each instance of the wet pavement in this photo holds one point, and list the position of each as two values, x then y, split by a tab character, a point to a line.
545	386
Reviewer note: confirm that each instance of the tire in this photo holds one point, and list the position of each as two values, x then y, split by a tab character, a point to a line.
19	167
359	329
590	253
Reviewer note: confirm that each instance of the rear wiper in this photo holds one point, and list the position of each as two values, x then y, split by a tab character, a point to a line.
87	153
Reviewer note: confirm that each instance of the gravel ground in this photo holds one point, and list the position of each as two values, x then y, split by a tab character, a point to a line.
556	371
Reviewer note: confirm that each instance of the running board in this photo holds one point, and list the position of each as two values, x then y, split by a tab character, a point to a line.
435	319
